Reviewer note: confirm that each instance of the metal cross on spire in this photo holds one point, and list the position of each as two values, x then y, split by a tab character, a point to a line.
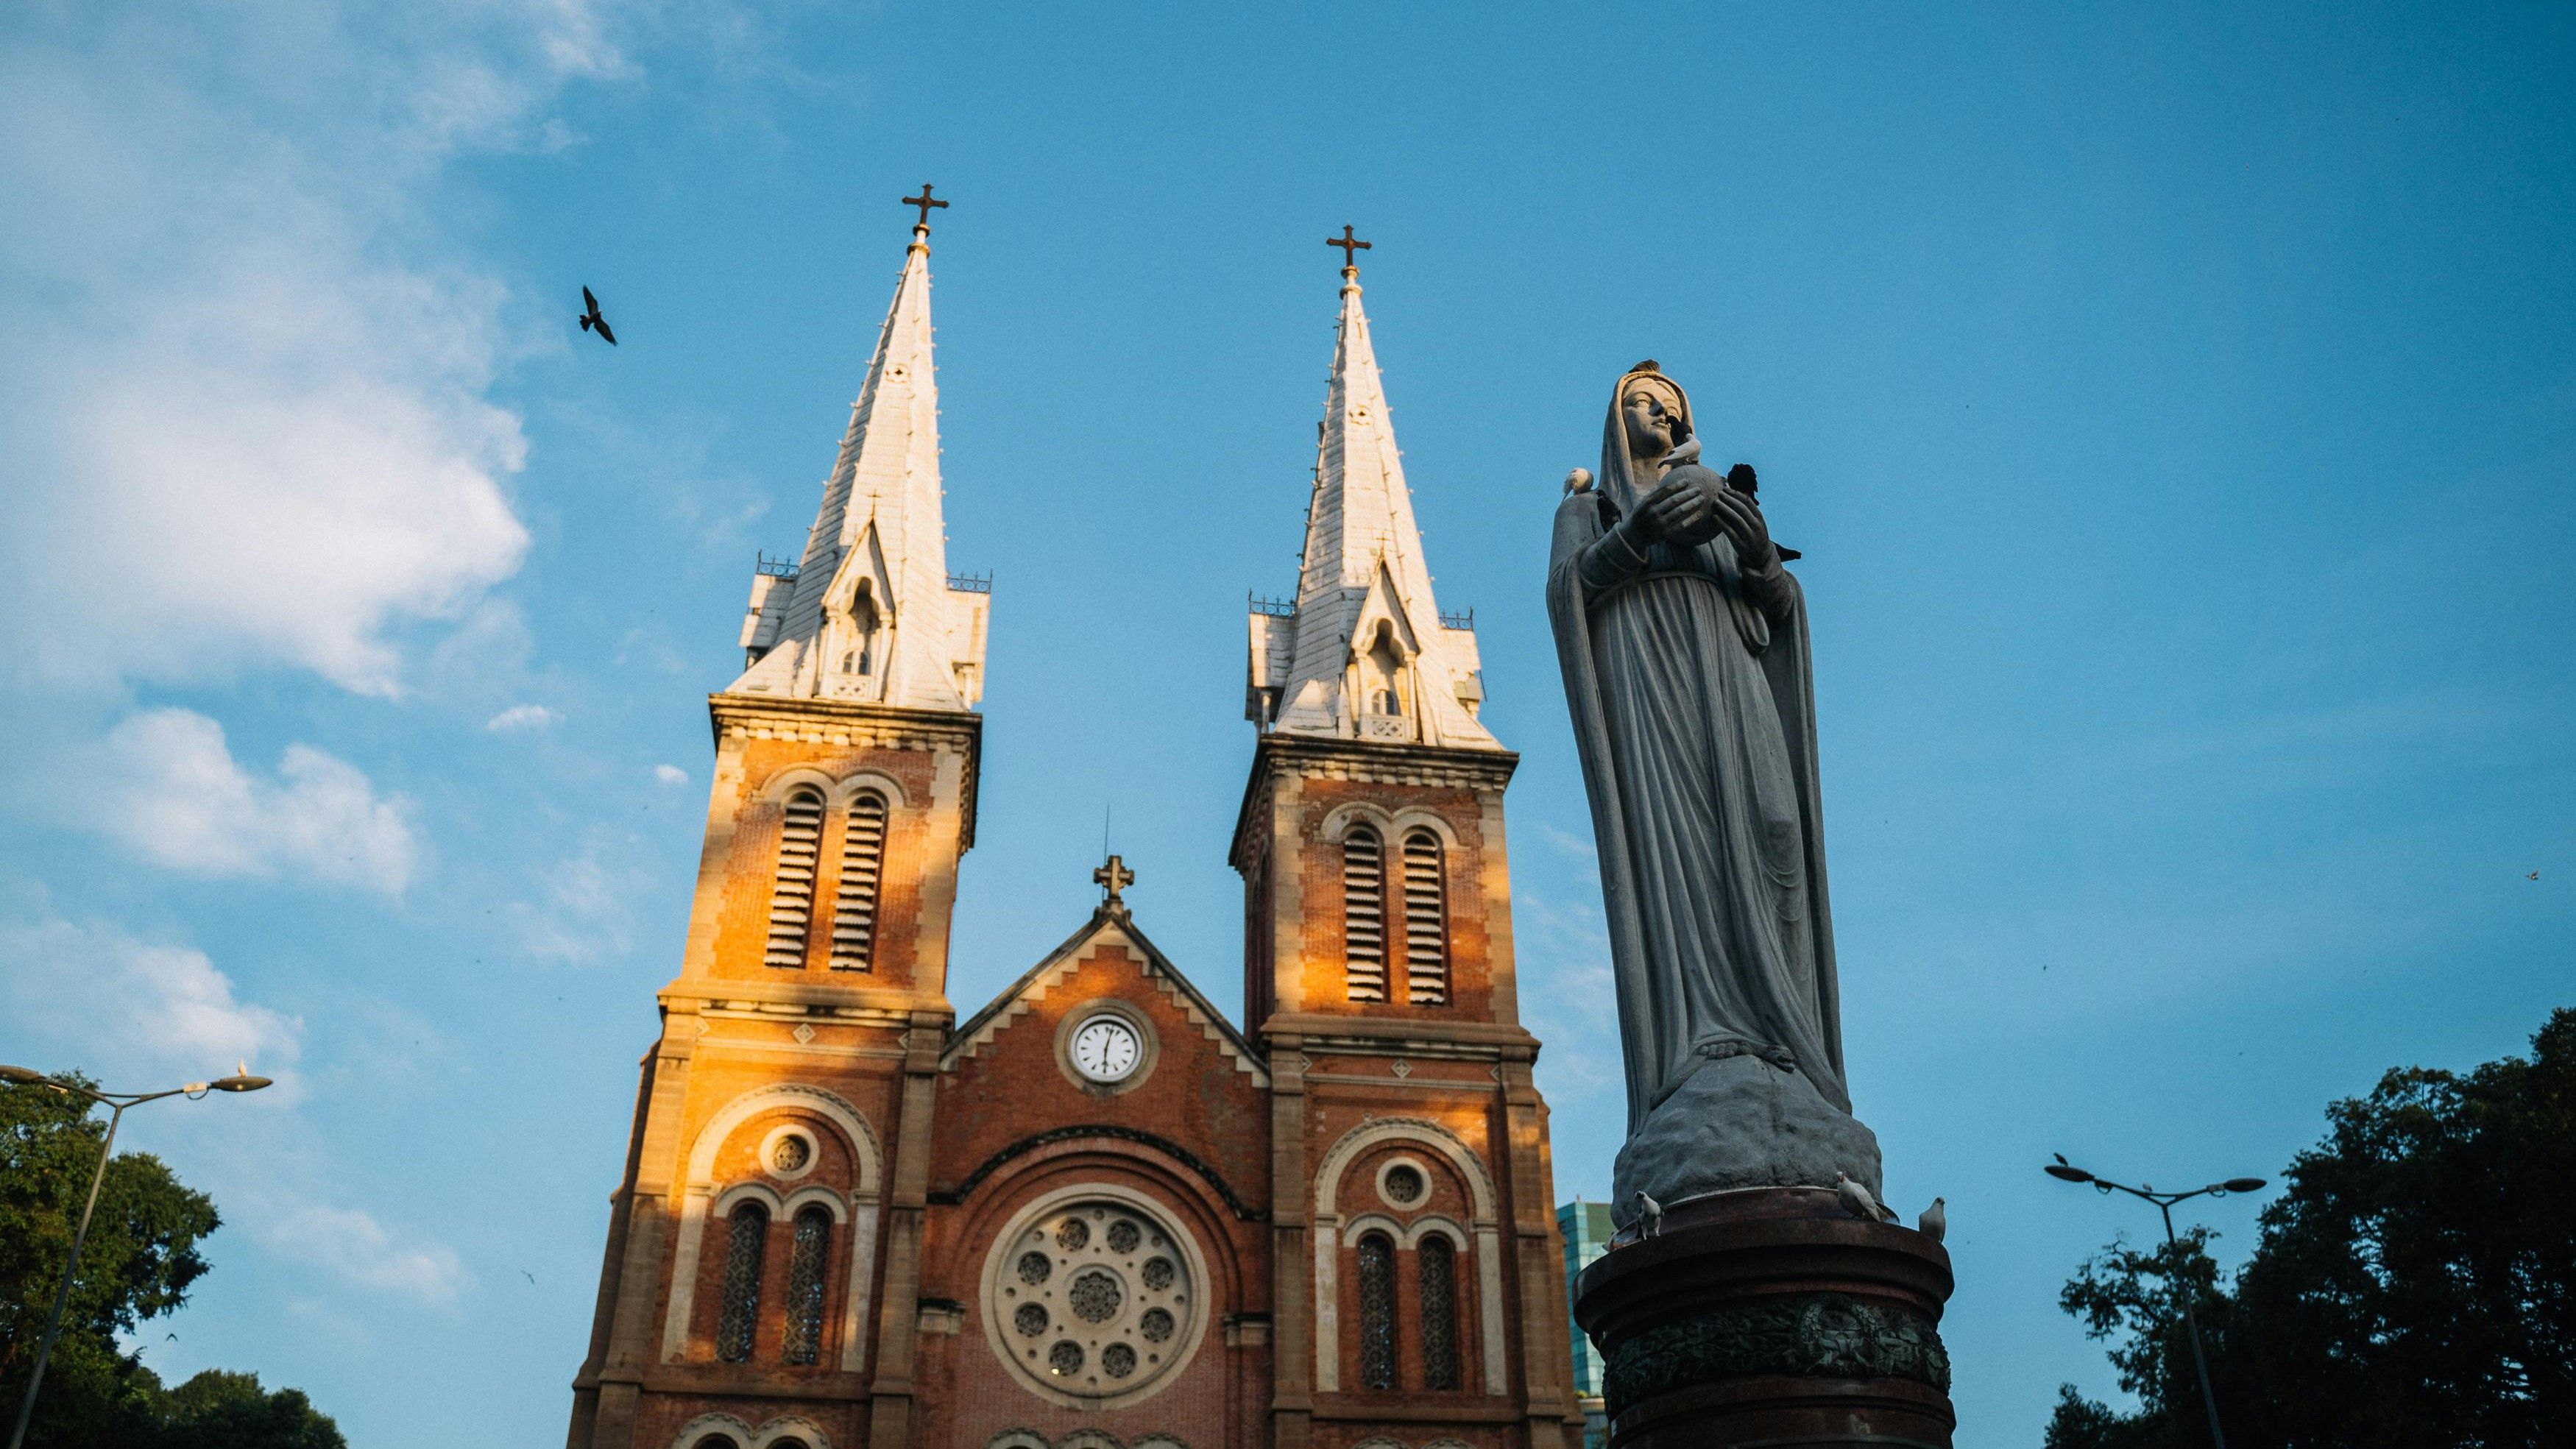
925	203
1351	246
1113	877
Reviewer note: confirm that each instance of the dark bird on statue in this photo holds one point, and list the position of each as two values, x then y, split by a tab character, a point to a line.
591	321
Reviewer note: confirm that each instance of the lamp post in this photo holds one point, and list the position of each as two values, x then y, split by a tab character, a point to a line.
2065	1171
116	1102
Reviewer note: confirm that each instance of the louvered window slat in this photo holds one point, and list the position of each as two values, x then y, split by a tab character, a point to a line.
854	903
791	900
1426	926
1364	914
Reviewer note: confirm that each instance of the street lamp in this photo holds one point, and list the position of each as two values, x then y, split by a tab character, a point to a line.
116	1102
2065	1171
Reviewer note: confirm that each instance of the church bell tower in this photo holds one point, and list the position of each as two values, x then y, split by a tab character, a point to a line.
763	1246
1378	967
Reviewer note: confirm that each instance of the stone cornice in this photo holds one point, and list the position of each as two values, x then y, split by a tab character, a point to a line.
1318	1034
1315	757
850	722
790	998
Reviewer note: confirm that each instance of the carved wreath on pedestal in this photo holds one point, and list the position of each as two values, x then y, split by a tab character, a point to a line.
1812	1335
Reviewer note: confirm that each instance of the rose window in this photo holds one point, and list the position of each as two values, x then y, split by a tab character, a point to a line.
1094	1296
791	1154
1404	1185
1093	1300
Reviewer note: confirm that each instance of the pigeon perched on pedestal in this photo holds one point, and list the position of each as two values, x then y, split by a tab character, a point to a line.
1934	1222
1650	1217
1857	1201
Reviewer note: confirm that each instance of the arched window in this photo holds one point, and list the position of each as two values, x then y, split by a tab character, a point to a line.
1377	1311
716	1441
805	1285
1382	672
859	658
1439	1268
854	904
743	1253
1364	914
1426	923
791	900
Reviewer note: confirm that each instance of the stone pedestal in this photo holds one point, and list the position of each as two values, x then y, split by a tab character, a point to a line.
1771	1317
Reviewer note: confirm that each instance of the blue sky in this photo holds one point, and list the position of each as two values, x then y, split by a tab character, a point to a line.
2175	406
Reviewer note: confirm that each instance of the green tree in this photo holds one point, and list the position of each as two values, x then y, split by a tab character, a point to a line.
139	1261
2414	1284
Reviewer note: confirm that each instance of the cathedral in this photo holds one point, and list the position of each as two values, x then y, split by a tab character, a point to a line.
1094	1213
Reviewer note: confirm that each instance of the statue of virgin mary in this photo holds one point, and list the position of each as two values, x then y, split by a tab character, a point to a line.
1684	646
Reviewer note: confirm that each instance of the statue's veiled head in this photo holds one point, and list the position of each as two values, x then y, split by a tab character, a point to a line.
1649	417
1652	411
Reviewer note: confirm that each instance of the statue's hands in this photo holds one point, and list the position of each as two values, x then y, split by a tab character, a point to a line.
1740	518
1676	509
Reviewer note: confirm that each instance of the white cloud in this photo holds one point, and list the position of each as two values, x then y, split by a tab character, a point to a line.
588	904
146	1012
138	1014
670	774
520	717
350	1242
174	795
244	395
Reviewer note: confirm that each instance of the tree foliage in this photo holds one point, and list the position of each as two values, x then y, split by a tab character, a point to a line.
2414	1284
137	1265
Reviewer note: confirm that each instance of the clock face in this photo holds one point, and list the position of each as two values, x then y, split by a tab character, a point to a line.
1105	1049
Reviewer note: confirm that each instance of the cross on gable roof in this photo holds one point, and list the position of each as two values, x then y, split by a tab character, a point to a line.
1106	927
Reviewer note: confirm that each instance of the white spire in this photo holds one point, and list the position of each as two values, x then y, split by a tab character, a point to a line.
868	614
1366	654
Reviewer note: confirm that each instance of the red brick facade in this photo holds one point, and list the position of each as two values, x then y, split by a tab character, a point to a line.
850	1221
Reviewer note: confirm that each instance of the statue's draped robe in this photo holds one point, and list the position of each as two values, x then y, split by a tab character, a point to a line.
1694	714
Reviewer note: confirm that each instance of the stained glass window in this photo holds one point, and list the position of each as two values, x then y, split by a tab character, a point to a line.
744	1249
805	1274
1404	1185
1094	1296
1439	1313
1377	1312
1095	1300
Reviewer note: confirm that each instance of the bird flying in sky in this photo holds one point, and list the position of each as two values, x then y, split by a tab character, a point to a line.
591	321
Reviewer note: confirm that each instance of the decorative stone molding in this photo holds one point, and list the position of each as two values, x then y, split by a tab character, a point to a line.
1812	1335
1486	1229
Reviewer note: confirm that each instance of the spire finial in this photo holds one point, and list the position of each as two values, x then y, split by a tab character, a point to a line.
923	201
1351	248
1113	877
